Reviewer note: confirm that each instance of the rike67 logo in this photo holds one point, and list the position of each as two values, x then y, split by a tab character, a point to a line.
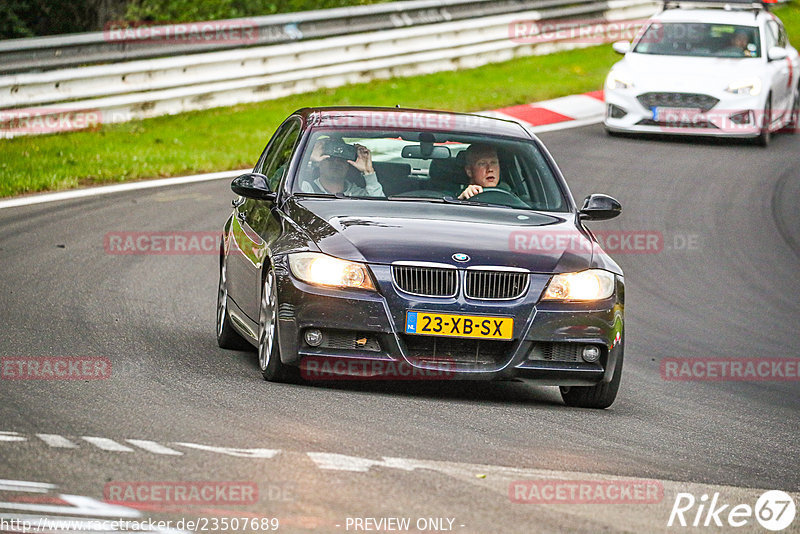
774	510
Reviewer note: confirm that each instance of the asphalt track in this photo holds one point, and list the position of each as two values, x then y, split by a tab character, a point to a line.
724	284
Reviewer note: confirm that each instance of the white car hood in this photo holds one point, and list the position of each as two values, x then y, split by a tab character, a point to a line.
707	75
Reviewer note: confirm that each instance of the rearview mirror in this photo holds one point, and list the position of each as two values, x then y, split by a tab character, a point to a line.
253	185
425	152
776	53
599	207
621	47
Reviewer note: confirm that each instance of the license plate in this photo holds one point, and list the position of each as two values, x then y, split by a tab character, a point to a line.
445	324
677	115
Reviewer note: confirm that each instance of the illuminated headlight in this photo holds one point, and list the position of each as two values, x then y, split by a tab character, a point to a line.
619	82
592	284
322	270
750	87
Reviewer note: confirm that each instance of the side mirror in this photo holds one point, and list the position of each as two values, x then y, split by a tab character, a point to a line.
598	207
776	53
253	185
621	47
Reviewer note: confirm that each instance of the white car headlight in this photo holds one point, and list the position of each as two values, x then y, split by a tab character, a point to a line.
750	87
592	284
323	270
616	81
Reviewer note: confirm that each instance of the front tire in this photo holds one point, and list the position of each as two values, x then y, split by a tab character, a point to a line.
269	352
227	337
598	396
764	137
794	119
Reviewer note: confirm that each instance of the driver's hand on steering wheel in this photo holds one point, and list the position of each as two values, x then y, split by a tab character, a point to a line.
470	191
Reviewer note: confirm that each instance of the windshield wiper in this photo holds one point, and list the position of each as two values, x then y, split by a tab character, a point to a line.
423	199
320	195
451	200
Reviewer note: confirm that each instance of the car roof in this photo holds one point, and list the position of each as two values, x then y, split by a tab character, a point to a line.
410	118
740	17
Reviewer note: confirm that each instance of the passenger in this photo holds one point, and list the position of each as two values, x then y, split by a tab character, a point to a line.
483	169
334	160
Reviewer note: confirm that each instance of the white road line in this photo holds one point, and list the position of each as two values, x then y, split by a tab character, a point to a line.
54	440
11	436
239	453
106	444
341	462
23	485
152	446
119	188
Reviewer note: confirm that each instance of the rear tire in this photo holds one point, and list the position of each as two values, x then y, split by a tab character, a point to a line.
598	396
269	352
227	336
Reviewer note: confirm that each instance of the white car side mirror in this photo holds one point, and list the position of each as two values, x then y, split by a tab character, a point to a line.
776	53
621	47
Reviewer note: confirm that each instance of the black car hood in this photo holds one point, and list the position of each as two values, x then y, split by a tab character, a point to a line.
379	231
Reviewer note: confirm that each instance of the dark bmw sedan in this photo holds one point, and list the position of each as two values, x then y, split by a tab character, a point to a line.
418	244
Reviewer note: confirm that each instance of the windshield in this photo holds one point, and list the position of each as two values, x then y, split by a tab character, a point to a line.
700	39
428	167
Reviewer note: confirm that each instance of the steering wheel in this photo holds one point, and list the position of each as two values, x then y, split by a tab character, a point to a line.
495	195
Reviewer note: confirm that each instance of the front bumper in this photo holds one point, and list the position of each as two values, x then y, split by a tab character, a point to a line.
364	326
733	116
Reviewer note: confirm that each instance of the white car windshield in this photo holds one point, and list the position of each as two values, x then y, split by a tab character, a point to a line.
700	39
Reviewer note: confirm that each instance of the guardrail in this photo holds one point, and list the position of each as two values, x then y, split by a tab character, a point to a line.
142	89
150	41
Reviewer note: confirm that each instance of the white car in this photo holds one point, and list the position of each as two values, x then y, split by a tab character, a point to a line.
706	70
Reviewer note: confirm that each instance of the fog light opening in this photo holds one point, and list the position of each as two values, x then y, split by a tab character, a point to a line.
590	353
741	118
313	337
616	112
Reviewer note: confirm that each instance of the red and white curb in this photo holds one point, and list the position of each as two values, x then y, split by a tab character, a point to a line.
558	114
550	115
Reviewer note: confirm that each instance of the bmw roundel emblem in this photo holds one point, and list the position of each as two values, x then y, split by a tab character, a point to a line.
458	256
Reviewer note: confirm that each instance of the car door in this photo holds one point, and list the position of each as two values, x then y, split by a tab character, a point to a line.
779	71
792	64
254	225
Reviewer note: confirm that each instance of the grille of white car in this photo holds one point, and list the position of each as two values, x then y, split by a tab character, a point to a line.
677	100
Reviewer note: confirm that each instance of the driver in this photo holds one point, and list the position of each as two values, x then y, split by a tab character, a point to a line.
482	168
740	44
335	160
